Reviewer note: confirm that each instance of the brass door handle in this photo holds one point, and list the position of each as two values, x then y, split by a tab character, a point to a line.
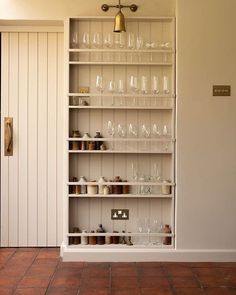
8	126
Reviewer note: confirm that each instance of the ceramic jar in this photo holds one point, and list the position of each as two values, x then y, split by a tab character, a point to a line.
125	188
84	144
92	240
84	239
75	145
98	143
92	189
106	190
166	187
117	189
83	187
100	239
101	185
167	230
115	239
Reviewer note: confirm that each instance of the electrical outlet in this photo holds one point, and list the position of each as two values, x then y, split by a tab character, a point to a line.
120	214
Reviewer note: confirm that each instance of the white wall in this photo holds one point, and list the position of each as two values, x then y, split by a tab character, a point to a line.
206	170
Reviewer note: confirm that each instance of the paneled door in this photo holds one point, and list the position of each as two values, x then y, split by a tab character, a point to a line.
31	179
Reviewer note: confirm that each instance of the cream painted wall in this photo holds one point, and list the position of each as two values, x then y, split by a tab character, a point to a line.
57	10
206	170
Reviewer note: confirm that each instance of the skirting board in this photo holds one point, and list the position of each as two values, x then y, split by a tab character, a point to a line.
140	255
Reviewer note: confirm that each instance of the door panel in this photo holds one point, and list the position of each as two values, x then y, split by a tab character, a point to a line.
31	180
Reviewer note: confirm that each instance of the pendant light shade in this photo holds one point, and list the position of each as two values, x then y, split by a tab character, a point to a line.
119	23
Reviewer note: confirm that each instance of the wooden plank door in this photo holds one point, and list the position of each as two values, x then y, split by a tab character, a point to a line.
31	179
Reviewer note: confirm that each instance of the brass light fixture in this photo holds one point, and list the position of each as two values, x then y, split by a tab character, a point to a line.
119	23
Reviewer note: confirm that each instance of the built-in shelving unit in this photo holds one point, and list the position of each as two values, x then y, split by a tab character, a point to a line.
123	86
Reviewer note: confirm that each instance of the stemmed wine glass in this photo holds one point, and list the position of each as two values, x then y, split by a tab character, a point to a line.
99	83
75	40
156	132
111	131
133	133
165	133
140	227
108	40
145	131
131	44
86	40
121	90
166	86
121	132
134	87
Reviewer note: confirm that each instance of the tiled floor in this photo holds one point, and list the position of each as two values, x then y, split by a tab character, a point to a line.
40	271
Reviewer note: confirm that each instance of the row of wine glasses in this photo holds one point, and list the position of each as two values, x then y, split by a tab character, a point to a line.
133	130
136	85
148	225
131	41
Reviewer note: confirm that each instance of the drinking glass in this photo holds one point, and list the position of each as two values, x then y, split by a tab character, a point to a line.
155	85
75	40
108	40
111	131
156	172
139	42
144	85
86	40
134	172
121	90
121	132
145	131
131	41
166	85
99	83
111	86
97	40
120	40
165	131
140	226
156	133
134	87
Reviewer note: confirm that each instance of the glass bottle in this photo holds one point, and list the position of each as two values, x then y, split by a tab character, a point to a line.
100	239
98	143
167	230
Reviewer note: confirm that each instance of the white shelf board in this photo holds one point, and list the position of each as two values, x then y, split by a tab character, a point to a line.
121	95
120	183
161	64
120	246
157	196
160	139
122	107
108	234
113	50
116	152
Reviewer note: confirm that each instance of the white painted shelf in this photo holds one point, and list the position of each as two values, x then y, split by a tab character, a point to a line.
160	139
124	196
117	152
123	107
121	63
120	50
121	95
121	183
108	234
120	247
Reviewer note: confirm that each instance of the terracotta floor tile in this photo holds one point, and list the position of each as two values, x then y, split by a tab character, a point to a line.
26	249
224	264
220	291
48	254
124	271
34	282
30	291
153	282
53	261
62	291
206	271
184	282
156	291
7	281
189	291
99	291
94	283
95	272
71	264
124	282
39	269
209	281
97	264
149	264
128	291
6	249
68	281
151	272
5	255
69	271
6	291
123	265
14	270
179	271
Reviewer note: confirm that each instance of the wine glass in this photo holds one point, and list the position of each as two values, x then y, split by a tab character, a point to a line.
143	88
133	133
121	132
108	40
111	131
155	85
156	173
134	172
156	133
139	42
86	40
145	131
99	83
166	86
111	86
120	40
147	229
165	131
97	40
140	226
75	40
121	90
134	87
